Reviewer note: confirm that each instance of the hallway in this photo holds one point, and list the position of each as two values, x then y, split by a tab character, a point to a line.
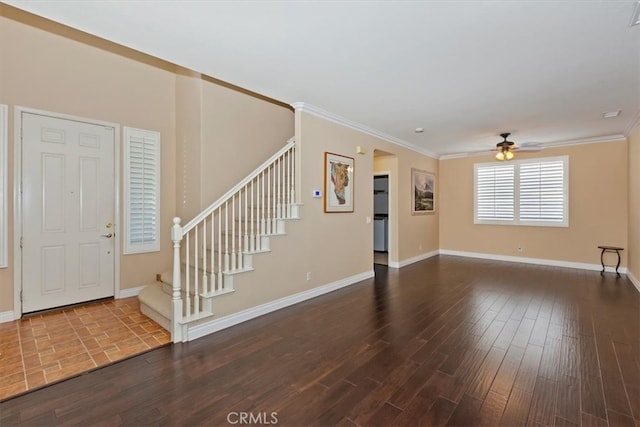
45	348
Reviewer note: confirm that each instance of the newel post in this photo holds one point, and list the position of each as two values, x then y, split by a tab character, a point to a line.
176	237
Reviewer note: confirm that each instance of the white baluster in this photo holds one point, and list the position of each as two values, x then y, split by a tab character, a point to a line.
239	219
176	297
282	187
187	294
263	225
290	176
233	232
253	207
220	261
274	205
293	175
277	189
196	278
275	196
204	256
285	174
270	200
226	236
212	272
246	220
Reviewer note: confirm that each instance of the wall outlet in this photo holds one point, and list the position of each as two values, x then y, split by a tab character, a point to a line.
520	249
420	246
308	275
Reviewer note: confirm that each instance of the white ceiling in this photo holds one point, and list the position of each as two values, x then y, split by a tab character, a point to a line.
464	71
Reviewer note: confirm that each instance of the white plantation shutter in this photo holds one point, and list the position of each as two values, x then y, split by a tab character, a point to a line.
525	192
142	191
494	193
543	192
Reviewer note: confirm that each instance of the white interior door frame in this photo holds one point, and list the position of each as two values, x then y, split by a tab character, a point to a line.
17	199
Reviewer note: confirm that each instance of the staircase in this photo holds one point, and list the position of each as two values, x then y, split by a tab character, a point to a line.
220	243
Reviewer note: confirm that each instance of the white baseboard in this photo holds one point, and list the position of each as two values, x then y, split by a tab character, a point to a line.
7	316
414	259
251	313
634	280
538	261
129	292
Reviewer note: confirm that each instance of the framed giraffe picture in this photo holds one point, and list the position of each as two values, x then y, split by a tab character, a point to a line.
338	183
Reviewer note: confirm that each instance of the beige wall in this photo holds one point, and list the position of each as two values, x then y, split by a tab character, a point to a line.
239	132
335	246
634	203
189	143
50	67
597	208
223	135
410	236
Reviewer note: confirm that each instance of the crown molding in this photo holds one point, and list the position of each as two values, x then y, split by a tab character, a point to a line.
582	141
635	122
556	144
462	155
318	112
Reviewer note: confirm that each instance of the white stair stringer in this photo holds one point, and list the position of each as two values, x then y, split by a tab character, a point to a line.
156	298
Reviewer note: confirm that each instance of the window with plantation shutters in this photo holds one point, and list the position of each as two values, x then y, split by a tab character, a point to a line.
495	193
142	191
542	192
524	192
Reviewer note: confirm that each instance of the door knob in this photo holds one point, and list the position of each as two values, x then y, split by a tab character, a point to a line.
108	236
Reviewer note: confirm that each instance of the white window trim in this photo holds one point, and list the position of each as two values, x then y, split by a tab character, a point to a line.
516	201
128	246
4	135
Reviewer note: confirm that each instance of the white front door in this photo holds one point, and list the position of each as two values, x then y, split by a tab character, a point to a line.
67	211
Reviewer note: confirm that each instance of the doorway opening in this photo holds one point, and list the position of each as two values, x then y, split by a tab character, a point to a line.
381	219
385	218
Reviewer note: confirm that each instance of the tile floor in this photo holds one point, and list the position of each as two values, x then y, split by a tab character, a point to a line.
45	348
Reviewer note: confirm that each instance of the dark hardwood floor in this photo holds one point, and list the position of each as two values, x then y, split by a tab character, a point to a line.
446	341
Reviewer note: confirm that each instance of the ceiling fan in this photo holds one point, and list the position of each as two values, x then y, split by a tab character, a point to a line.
506	148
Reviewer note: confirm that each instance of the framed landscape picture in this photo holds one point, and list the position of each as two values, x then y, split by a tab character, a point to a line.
338	183
423	192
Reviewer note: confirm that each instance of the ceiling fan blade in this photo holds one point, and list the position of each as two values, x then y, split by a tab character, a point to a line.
530	148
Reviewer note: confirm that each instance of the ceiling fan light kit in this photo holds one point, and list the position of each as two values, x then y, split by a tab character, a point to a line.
504	155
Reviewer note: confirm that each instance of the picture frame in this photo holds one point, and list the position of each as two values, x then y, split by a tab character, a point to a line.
338	183
423	192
